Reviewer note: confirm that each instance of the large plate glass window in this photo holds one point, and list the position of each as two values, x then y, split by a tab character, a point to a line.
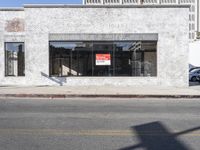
14	59
113	58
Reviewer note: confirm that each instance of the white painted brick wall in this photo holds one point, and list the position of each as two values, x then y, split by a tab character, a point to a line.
170	23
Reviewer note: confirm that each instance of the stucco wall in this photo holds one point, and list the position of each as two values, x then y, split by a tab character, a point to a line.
171	24
12	29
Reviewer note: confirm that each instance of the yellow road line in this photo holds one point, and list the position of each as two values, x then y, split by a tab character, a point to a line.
58	132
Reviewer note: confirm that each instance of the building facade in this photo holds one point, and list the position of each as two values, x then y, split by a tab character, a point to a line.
94	45
194	25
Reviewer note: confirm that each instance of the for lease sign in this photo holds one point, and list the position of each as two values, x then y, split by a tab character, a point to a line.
103	59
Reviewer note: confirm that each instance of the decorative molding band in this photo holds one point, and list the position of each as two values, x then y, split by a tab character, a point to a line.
104	6
104	37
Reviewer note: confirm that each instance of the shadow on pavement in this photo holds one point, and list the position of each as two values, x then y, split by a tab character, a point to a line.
155	136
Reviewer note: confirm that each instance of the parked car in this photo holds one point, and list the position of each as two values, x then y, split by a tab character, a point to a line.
193	75
198	78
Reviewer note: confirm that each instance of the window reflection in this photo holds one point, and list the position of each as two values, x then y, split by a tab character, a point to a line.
117	58
14	59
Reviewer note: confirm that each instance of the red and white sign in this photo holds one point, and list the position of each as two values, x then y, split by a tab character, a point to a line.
103	59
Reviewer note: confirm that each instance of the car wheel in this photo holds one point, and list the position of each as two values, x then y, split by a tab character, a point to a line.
194	79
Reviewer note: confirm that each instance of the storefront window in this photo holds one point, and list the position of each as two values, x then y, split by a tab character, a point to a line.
70	59
14	59
117	58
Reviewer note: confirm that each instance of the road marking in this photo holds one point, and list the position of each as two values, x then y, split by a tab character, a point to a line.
58	132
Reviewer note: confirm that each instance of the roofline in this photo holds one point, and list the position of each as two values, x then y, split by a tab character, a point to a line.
103	6
11	9
89	6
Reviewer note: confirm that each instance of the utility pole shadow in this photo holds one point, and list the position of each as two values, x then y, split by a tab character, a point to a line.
155	136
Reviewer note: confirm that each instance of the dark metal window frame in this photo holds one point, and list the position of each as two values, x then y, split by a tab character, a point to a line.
92	54
5	60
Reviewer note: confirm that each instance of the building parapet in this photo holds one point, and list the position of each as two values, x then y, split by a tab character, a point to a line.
102	6
11	9
136	2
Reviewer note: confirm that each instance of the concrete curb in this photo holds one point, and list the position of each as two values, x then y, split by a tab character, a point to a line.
94	96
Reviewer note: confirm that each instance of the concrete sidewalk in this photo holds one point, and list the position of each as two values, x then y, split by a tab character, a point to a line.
99	91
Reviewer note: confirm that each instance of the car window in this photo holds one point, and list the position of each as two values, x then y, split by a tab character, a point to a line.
195	71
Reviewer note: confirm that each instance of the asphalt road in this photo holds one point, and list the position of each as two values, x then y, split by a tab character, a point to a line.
100	124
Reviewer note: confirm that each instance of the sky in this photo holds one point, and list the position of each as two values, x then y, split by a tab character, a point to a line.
19	3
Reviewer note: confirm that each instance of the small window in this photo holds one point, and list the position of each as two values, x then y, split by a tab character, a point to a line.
14	59
193	18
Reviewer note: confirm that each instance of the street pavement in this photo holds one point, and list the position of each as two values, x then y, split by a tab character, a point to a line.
99	124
